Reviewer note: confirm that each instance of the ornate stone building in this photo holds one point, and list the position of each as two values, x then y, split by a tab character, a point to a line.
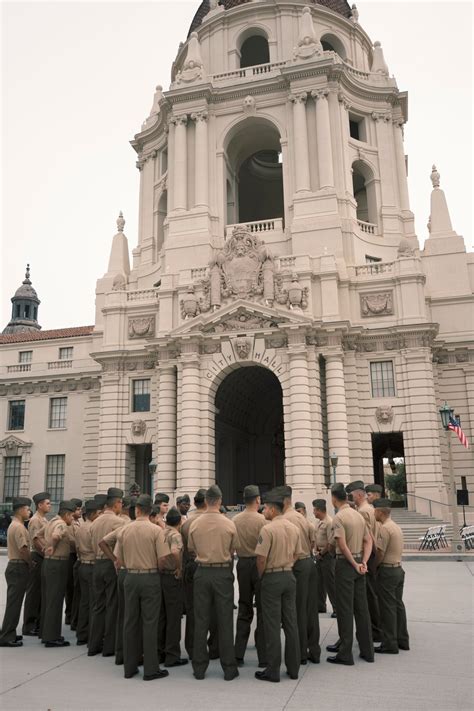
278	307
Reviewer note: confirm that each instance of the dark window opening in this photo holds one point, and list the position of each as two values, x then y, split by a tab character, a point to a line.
16	415
27	312
372	260
261	187
254	51
35	312
354	130
17	311
141	396
11	480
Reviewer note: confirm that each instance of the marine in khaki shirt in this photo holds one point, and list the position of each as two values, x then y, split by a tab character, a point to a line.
279	543
141	545
389	543
366	510
323	535
174	543
213	538
349	525
104	524
17	539
57	529
35	532
84	548
305	529
248	525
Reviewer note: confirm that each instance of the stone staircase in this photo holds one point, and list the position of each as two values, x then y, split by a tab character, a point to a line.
414	526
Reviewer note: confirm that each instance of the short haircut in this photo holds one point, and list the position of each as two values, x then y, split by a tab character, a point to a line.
111	500
212	500
61	512
250	499
279	505
144	509
339	493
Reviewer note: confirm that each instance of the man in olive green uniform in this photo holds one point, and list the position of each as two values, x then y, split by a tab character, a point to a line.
326	563
86	558
356	492
213	538
374	492
73	590
140	548
104	613
189	568
279	545
353	547
171	574
390	579
248	525
305	573
54	572
17	572
32	611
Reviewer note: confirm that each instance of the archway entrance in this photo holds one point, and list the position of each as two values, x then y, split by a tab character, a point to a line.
388	455
250	445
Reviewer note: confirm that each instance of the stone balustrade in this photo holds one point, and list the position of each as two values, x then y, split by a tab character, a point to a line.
19	368
59	364
368	228
142	295
374	268
199	273
248	72
275	224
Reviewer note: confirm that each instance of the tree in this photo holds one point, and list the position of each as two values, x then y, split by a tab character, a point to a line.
397	483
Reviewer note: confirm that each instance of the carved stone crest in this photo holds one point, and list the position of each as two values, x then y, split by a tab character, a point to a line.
376	304
242	347
384	414
294	296
241	321
141	327
190	305
138	428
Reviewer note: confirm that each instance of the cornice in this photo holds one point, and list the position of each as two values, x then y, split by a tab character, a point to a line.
62	386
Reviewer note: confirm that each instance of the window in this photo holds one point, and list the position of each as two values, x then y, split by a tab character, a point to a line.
381	375
25	356
141	395
357	127
18	311
16	414
66	353
164	161
372	260
57	412
27	312
11	479
35	313
55	465
254	51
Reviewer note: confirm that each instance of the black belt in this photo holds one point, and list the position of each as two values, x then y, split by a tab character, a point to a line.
18	560
277	570
390	565
137	571
356	556
87	562
56	557
247	557
215	565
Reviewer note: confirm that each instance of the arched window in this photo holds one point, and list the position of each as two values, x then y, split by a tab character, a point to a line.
363	186
331	43
162	213
254	50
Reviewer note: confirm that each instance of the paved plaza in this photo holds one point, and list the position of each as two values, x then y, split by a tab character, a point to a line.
435	674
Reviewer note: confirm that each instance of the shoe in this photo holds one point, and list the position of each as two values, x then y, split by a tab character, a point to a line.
18	638
108	654
383	650
240	662
160	674
261	676
366	659
405	648
262	665
230	675
94	653
56	643
199	675
292	676
177	663
337	660
11	644
333	616
332	647
312	659
129	675
81	642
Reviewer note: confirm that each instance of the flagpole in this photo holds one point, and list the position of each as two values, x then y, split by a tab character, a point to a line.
457	545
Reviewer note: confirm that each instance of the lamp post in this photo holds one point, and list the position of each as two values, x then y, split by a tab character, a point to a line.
334	459
152	470
457	544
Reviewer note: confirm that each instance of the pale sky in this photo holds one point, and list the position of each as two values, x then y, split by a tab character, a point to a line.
78	80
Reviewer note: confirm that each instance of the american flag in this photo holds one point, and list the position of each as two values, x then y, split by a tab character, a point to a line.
455	426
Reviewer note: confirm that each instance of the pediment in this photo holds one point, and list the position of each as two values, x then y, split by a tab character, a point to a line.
242	316
11	444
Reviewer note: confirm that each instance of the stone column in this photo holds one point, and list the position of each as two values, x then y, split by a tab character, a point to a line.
165	456
300	131
190	445
180	163
345	136
401	167
323	139
111	464
337	414
201	167
385	157
300	426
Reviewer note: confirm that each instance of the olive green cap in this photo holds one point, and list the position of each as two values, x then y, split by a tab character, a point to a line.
42	496
77	503
144	500
382	504
67	505
91	505
274	496
354	485
200	496
20	501
373	489
214	492
101	499
251	492
114	493
162	498
284	492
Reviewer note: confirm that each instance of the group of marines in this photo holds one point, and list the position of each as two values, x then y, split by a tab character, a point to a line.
130	568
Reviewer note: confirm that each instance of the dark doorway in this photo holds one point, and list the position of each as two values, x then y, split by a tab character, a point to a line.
250	445
140	456
261	187
388	456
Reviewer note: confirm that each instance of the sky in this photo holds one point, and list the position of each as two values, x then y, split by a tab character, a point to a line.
78	79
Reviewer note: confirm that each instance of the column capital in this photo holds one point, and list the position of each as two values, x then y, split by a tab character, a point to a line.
299	97
381	116
320	94
180	120
343	100
198	116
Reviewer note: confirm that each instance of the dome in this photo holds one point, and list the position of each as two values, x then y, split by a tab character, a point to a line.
25	305
339	6
26	291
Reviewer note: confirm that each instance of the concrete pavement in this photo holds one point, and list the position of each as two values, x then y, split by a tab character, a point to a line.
435	674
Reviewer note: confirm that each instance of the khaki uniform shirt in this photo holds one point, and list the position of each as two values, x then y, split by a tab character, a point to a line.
187	554
248	525
279	542
141	544
366	510
35	526
17	538
323	533
174	543
82	535
350	524
213	537
102	525
58	527
390	542
305	529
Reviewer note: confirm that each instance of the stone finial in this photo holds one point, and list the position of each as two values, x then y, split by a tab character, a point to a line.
308	43
120	222
155	109
213	4
435	177
27	275
193	57
354	13
379	65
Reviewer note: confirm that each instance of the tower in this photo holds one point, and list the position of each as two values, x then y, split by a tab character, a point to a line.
25	305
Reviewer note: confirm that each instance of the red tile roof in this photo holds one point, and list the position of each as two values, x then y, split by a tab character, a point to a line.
46	335
340	6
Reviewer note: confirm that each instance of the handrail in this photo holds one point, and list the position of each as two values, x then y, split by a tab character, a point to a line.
430	501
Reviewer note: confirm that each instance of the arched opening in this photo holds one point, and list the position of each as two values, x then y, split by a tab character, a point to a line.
331	43
254	50
363	187
162	213
256	171
231	217
249	435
